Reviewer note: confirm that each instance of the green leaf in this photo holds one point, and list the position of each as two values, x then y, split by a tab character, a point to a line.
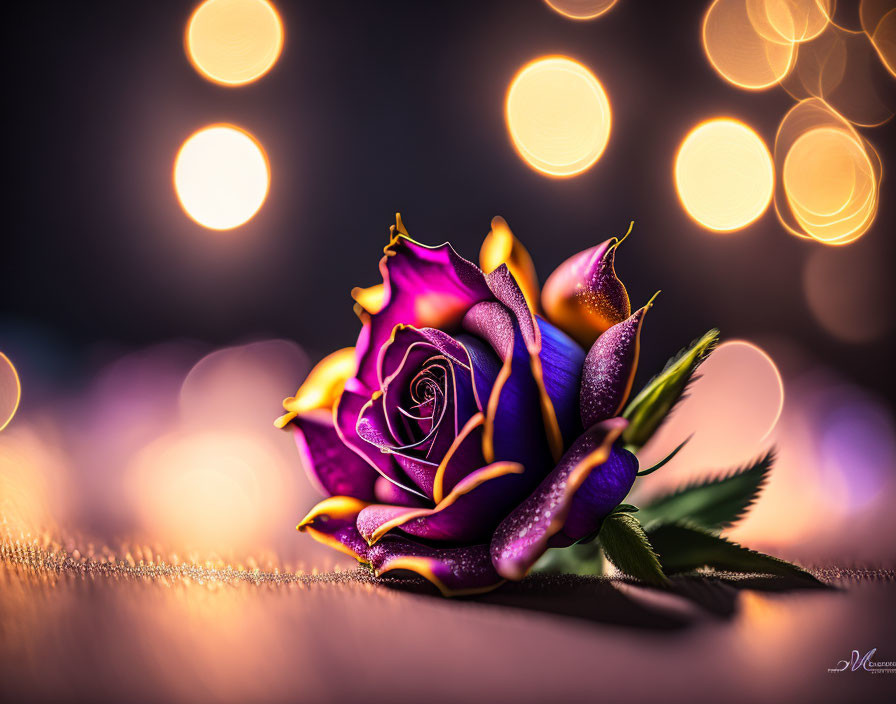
582	559
715	503
650	407
684	548
665	460
628	548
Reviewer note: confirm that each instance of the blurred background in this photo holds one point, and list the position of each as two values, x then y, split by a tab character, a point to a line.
153	342
194	190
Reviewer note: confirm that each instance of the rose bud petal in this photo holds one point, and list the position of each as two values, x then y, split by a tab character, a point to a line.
330	465
583	296
501	247
425	406
469	513
388	493
524	535
562	355
424	287
454	571
322	386
610	369
333	523
369	300
604	489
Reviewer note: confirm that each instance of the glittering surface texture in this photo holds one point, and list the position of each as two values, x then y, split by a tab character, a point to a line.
103	628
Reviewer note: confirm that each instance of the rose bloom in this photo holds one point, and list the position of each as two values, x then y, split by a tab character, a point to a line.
465	433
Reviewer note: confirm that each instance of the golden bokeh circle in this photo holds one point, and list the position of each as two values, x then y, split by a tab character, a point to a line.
221	176
724	174
581	9
739	52
234	42
558	116
10	390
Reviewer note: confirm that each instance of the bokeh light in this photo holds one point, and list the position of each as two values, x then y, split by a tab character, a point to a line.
842	68
558	116
850	291
10	390
724	174
581	9
878	18
221	176
731	410
830	176
737	50
234	42
789	21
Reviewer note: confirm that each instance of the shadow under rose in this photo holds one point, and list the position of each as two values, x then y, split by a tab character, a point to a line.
688	601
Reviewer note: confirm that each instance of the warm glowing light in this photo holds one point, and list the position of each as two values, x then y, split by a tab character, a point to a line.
221	176
830	177
883	39
581	9
732	410
738	52
841	67
789	21
558	116
10	390
724	174
234	42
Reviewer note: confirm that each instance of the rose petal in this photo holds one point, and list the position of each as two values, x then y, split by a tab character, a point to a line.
501	247
322	386
455	571
583	296
333	523
469	513
388	493
462	457
330	465
610	368
523	536
561	363
514	427
508	292
604	489
347	411
425	287
486	366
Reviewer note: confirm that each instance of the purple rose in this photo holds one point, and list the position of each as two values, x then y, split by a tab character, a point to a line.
466	434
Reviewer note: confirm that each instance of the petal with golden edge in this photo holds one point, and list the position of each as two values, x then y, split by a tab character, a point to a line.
501	247
425	287
470	512
345	415
465	452
583	296
322	386
610	367
523	536
507	291
454	571
330	465
370	299
333	523
514	426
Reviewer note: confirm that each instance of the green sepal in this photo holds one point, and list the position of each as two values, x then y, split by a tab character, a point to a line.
646	412
626	545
